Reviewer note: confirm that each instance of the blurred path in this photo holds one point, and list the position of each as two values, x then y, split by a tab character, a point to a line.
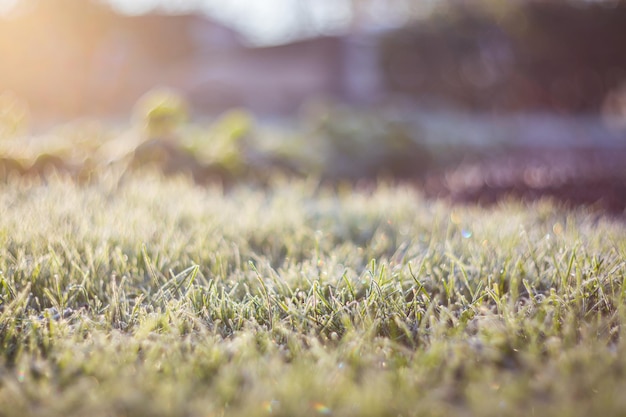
518	130
578	161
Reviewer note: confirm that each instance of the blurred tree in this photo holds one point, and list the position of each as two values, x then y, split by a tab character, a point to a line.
559	55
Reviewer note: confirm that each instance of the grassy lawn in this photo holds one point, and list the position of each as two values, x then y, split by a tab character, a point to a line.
154	297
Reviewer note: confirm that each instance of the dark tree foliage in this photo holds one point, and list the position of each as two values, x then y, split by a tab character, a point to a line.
555	55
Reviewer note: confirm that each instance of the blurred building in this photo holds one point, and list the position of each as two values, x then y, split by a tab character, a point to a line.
84	59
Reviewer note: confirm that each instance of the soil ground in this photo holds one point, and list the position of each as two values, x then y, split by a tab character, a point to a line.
575	176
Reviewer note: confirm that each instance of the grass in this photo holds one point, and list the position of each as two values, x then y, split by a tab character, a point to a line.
151	296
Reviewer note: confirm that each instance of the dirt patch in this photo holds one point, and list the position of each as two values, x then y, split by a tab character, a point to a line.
591	177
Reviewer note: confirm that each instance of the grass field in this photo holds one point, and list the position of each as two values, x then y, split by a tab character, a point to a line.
154	297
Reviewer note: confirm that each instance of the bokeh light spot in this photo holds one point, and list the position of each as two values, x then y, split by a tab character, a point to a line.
322	409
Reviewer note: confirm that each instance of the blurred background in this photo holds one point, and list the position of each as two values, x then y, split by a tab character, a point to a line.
69	58
400	86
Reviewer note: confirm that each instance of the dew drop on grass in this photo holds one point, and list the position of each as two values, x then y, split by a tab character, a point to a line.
466	233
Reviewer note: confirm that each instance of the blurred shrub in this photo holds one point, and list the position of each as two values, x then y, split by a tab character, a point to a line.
362	143
233	125
78	140
223	144
161	112
14	115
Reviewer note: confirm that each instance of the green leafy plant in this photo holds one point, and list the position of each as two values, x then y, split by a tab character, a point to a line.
223	143
161	112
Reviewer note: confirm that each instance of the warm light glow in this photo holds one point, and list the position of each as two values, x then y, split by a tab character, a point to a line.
7	5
